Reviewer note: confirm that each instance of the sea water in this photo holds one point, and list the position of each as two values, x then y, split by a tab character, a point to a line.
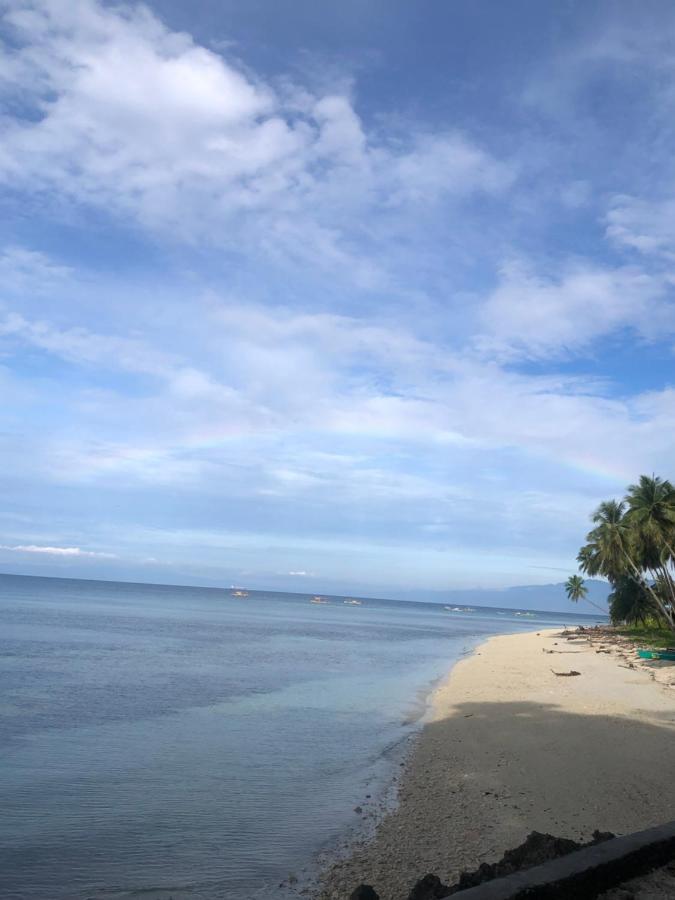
174	742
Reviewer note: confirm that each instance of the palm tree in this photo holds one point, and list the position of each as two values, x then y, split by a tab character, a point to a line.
634	542
629	602
609	539
576	590
651	507
651	512
605	552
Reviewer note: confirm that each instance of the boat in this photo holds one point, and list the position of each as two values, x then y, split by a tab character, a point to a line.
529	615
318	600
240	593
668	653
351	602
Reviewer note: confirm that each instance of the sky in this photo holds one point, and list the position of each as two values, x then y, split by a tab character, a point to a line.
367	297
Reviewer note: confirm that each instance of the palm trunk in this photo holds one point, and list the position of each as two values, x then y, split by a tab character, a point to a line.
669	582
666	613
605	612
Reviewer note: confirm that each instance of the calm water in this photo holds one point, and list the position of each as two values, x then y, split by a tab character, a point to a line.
181	742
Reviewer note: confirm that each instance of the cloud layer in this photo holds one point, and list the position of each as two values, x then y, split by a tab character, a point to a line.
260	329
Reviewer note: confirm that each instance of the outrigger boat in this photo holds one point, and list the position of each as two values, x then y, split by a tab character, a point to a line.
240	593
668	653
318	600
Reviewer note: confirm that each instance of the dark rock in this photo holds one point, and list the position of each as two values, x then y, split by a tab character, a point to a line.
537	848
364	892
429	888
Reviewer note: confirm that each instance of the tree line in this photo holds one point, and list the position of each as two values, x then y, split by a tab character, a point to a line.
631	545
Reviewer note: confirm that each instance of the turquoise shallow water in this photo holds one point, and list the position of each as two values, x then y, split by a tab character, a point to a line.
181	742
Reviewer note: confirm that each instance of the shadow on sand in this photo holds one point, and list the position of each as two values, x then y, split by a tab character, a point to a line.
490	773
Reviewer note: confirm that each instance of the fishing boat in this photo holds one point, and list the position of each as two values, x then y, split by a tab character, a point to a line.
240	593
318	600
351	602
668	653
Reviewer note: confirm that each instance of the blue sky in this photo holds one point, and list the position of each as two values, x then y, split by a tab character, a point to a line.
366	297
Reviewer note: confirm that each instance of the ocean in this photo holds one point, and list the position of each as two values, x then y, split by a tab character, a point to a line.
185	743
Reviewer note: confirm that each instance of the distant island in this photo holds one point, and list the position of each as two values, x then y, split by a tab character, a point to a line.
543	597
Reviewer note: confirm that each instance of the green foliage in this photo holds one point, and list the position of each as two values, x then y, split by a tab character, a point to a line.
631	544
575	588
648	635
629	602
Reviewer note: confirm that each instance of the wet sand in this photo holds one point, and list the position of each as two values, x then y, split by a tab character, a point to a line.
510	748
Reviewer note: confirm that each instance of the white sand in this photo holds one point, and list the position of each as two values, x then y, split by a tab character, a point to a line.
511	748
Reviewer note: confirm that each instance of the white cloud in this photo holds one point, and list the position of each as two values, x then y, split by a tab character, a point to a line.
57	551
79	345
123	114
390	421
23	269
273	386
534	315
647	226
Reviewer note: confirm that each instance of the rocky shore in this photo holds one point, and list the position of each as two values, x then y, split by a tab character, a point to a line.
515	744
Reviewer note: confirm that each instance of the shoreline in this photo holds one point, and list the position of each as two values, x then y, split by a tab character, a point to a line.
509	747
376	807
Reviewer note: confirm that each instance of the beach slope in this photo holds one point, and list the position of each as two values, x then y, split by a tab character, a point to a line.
511	747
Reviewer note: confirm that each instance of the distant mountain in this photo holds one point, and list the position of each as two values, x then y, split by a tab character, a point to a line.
544	597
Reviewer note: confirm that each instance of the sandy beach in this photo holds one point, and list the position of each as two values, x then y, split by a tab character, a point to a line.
511	747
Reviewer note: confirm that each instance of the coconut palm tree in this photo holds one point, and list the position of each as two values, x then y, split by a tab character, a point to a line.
651	513
576	590
651	508
632	543
606	551
629	602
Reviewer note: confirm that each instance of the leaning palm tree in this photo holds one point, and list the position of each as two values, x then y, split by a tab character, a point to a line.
651	508
605	551
629	602
576	590
651	513
626	544
610	539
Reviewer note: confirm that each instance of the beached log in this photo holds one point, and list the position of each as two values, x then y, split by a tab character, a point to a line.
565	674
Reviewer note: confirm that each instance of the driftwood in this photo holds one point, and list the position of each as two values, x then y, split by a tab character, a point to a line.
565	674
